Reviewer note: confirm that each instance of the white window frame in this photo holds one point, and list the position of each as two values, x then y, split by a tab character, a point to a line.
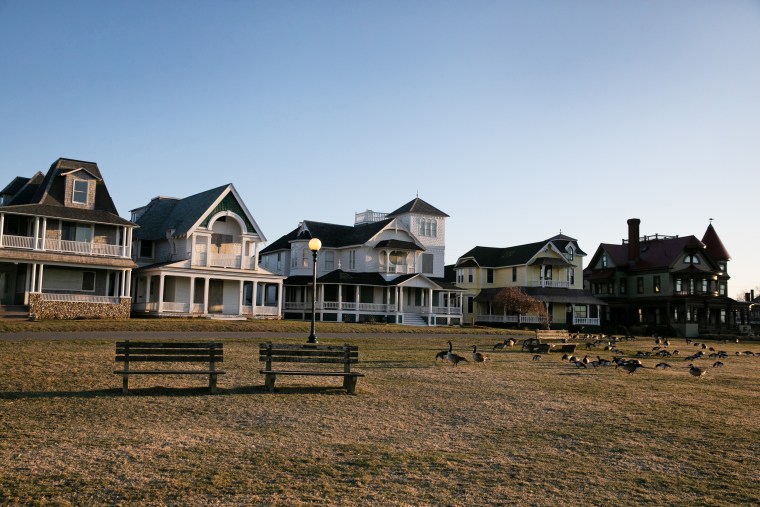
74	191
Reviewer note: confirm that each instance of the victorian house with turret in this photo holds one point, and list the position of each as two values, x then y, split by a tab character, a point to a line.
665	282
386	267
64	249
198	256
549	271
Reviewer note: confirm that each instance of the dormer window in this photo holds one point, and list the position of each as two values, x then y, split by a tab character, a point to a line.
691	259
79	191
570	253
604	260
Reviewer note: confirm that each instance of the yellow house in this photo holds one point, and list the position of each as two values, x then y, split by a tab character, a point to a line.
550	271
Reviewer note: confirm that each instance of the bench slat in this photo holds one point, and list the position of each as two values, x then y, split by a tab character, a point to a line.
171	345
167	359
170	372
286	346
337	357
313	373
325	353
173	352
313	360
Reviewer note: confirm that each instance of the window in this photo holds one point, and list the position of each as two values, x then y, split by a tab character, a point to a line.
469	275
547	272
79	191
657	286
691	286
571	276
460	275
146	248
610	288
71	231
604	260
704	285
679	285
623	286
428	227
489	275
722	315
427	263
722	266
469	304
691	259
722	288
329	256
88	281
305	258
514	274
640	285
581	311
641	315
570	253
352	259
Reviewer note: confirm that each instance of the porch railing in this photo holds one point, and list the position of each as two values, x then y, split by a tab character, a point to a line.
550	283
80	298
18	241
224	260
67	246
515	319
586	321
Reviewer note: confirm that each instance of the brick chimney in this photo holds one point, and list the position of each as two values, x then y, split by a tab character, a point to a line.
633	239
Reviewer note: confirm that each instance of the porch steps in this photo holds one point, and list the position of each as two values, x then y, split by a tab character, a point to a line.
226	317
412	319
14	312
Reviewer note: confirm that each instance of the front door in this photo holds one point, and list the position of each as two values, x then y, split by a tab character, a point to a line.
215	296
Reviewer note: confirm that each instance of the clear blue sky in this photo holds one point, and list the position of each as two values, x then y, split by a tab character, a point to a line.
517	118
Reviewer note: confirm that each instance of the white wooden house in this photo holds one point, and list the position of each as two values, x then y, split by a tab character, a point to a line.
64	249
387	267
198	256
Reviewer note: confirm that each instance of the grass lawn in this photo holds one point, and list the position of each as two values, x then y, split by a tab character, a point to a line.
418	432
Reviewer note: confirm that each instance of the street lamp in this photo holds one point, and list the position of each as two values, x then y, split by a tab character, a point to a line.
314	246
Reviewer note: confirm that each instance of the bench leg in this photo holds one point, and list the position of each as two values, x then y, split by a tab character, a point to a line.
212	383
269	382
125	384
349	383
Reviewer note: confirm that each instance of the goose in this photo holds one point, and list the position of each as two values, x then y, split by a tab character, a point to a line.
454	358
499	346
441	355
585	360
537	357
478	357
603	362
565	357
579	364
697	372
717	364
631	367
662	366
510	342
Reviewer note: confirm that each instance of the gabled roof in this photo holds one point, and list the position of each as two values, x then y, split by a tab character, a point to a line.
168	213
398	245
163	214
496	257
419	207
331	235
44	195
714	245
14	186
654	254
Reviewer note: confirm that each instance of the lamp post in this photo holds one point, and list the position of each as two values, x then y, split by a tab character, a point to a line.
314	246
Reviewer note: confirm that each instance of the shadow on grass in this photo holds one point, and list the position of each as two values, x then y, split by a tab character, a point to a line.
172	392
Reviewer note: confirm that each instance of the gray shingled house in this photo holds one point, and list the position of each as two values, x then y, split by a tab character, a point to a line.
197	256
64	249
387	267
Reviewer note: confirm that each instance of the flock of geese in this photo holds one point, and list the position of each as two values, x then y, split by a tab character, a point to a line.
628	365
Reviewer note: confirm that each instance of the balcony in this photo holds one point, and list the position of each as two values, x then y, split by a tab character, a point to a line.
64	246
549	283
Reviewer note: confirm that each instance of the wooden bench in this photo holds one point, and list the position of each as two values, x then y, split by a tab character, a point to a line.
309	354
552	334
171	354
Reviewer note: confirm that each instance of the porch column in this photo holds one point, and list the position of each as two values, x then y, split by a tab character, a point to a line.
108	282
356	300
240	294
254	289
401	300
33	282
572	314
255	264
431	318
39	278
279	298
208	251
124	241
205	294
128	282
129	242
43	233
193	259
192	294
321	302
160	292
36	233
2	226
340	303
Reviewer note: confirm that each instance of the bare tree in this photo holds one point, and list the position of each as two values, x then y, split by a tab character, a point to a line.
514	300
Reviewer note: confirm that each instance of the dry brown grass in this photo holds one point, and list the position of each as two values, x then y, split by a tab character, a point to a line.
418	432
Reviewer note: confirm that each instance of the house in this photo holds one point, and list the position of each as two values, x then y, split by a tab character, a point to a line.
387	267
64	250
198	256
666	283
549	271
